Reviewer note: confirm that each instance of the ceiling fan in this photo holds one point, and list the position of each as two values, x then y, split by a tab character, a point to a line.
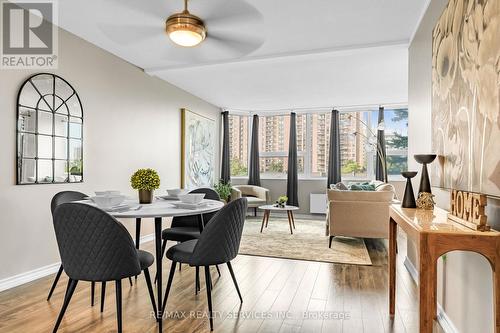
220	29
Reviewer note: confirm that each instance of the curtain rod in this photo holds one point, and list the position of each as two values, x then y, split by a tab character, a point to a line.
312	109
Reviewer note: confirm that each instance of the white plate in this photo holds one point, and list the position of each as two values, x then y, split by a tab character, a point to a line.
168	197
190	206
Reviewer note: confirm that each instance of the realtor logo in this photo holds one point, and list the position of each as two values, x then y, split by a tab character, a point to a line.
29	34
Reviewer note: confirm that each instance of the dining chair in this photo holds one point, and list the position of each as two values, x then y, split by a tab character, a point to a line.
184	228
218	244
95	247
58	199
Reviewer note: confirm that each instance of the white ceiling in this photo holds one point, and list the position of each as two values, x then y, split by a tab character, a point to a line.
300	53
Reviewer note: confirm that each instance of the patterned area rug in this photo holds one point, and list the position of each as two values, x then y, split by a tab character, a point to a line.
308	242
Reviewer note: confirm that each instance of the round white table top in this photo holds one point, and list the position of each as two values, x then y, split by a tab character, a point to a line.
163	208
272	207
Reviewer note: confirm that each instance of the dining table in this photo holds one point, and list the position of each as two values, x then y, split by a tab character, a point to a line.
157	210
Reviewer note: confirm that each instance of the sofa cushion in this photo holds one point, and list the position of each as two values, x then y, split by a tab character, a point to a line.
373	196
361	186
339	186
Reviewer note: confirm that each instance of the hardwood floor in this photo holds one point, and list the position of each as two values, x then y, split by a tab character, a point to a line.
276	293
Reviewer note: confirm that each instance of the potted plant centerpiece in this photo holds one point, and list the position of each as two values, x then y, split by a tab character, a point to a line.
224	190
146	181
281	202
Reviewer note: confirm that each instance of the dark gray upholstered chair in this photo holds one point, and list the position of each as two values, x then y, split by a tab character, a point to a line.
218	244
184	228
58	199
94	246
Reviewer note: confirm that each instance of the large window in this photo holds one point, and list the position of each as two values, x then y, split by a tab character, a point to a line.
357	143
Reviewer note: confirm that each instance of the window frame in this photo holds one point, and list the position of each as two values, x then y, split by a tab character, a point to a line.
307	153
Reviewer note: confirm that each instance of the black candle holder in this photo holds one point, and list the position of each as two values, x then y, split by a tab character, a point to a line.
409	197
424	159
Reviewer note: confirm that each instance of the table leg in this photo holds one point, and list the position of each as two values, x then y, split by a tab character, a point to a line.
496	293
426	286
263	221
201	223
137	234
293	219
392	266
289	221
159	274
267	217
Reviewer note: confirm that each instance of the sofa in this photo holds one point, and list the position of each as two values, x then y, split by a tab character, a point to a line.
256	195
362	214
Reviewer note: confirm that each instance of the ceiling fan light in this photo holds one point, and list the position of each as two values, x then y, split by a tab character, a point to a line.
185	29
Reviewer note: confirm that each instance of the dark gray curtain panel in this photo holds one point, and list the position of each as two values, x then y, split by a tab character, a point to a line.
292	183
334	157
225	169
254	168
381	166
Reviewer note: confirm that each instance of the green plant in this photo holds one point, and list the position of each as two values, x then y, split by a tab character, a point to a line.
283	199
223	189
145	179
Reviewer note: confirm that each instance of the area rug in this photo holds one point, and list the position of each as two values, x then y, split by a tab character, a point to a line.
308	242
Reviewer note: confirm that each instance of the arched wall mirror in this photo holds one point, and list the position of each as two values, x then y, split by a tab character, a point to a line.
49	132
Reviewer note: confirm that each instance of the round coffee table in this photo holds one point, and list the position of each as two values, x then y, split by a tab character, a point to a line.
289	211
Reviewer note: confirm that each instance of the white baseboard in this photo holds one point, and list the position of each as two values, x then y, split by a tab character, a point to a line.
26	277
442	318
19	279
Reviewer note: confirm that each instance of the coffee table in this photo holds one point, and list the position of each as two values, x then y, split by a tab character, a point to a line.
289	211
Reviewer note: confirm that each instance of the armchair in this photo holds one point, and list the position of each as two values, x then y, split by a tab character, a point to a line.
256	195
358	213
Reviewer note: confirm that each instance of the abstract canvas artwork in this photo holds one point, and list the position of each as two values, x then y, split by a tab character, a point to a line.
465	97
198	150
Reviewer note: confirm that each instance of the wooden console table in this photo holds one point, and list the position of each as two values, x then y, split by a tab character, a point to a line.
435	235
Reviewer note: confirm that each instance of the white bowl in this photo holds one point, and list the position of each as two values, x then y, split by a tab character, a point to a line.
192	198
107	201
175	192
104	193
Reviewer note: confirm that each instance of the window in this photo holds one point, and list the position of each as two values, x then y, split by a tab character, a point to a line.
274	136
238	144
357	143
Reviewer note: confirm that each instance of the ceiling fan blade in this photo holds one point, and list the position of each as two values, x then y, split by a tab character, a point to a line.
238	45
130	34
160	9
230	12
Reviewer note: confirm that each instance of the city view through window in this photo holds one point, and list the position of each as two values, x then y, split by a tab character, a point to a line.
357	143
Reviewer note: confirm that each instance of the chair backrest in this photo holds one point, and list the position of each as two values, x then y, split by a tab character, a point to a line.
220	240
93	245
192	221
65	197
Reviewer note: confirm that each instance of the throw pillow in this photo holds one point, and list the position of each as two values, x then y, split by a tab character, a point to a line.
361	187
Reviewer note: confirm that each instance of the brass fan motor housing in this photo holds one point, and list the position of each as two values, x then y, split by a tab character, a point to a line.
186	21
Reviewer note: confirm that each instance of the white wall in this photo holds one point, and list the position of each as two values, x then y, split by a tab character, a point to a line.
131	121
465	279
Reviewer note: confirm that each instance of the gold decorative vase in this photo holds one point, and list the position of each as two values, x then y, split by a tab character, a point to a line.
145	196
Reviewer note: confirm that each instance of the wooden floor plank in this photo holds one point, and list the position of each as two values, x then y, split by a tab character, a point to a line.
284	290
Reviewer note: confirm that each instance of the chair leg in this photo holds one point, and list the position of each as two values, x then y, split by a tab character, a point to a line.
255	211
169	284
118	284
137	234
330	242
58	275
234	280
130	280
209	296
103	295
163	248
92	293
218	270
69	293
150	289
197	282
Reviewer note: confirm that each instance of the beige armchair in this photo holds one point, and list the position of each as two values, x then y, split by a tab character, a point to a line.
256	195
358	213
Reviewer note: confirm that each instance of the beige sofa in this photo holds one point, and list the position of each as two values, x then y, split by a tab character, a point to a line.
256	195
359	213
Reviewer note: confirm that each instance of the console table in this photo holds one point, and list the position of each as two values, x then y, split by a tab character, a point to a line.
435	235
